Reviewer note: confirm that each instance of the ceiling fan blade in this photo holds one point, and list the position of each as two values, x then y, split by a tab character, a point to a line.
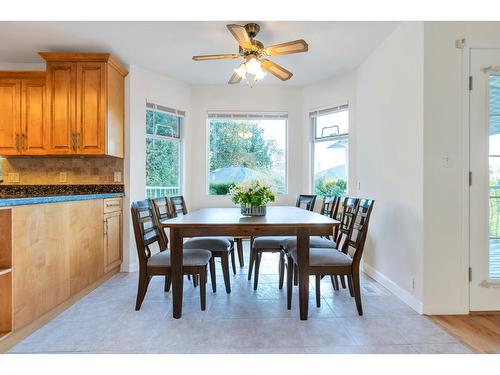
216	57
235	78
295	46
241	35
276	70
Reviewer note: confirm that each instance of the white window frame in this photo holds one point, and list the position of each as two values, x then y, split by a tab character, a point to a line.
246	115
180	115
313	114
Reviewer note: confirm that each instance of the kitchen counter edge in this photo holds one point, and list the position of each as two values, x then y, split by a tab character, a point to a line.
10	202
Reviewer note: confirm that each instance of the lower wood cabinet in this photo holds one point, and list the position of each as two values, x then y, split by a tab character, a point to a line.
112	237
59	249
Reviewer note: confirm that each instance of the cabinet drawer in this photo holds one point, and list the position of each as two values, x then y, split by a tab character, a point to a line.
112	205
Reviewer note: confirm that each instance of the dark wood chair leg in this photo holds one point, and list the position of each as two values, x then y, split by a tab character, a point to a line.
349	283
281	269
142	289
342	281
318	291
233	261
189	277
203	287
295	275
357	291
335	282
195	281
239	249
289	282
251	262
167	283
258	258
225	272
213	278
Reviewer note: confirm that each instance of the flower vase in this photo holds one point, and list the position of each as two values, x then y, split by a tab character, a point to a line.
248	210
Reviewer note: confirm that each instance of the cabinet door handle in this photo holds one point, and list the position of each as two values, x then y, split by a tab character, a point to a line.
106	227
112	204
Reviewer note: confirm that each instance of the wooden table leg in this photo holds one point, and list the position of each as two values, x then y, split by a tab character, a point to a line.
303	265
177	279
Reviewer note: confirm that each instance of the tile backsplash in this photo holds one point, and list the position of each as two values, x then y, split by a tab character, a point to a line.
48	170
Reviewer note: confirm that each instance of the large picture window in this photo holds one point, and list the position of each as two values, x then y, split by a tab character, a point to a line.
246	147
330	150
163	151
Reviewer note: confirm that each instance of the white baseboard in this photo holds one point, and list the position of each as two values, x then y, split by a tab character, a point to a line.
399	292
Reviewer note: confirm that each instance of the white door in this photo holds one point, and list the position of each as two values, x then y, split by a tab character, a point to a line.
485	188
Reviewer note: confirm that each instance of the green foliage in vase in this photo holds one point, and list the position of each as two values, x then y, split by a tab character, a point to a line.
252	193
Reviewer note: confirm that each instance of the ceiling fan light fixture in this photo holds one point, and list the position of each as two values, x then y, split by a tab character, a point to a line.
241	71
251	71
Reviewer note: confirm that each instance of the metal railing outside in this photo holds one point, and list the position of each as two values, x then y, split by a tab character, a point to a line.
162	191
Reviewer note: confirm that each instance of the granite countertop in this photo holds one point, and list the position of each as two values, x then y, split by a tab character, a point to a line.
17	195
9	202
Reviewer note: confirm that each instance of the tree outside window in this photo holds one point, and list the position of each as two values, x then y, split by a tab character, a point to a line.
163	154
242	149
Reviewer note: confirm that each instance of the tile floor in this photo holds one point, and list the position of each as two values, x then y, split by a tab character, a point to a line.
245	321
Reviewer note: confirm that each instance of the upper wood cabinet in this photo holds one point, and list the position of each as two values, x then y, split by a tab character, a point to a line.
86	104
23	113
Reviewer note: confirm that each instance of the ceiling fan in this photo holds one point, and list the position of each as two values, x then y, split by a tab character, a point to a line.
255	54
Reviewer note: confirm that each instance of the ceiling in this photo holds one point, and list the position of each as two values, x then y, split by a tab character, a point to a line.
167	47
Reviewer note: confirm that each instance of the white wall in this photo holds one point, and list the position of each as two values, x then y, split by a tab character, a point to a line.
445	188
389	160
22	66
242	98
330	93
142	85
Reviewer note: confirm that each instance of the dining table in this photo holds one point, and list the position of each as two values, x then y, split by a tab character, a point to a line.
278	221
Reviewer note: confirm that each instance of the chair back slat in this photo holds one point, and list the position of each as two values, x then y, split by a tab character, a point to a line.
360	230
178	206
327	205
306	202
346	226
145	229
161	211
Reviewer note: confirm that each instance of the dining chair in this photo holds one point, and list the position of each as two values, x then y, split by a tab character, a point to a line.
146	234
221	247
340	234
274	244
336	262
162	211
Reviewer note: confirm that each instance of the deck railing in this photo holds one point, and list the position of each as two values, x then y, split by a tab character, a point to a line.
162	191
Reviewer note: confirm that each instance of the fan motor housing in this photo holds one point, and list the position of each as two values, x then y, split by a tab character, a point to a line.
252	29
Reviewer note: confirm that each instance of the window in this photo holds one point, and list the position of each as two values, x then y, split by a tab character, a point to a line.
330	150
246	147
163	151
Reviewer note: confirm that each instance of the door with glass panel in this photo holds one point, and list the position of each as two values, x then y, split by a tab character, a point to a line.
485	183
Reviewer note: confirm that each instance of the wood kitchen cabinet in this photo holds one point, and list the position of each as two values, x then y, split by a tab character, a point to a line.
86	104
23	113
58	250
112	233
